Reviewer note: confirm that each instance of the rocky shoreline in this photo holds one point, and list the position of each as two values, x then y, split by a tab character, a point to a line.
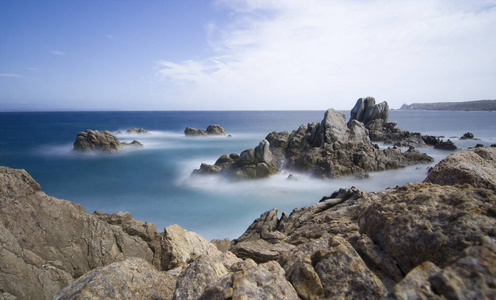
430	240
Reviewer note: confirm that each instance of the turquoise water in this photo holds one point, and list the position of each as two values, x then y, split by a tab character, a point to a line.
153	182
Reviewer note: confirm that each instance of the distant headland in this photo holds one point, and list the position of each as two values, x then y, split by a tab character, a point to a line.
479	105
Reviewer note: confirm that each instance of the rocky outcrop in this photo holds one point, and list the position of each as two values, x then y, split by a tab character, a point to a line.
331	148
211	130
467	136
476	166
137	131
366	111
46	242
251	163
104	141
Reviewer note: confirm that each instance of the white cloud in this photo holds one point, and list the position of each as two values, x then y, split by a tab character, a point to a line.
317	54
11	75
58	53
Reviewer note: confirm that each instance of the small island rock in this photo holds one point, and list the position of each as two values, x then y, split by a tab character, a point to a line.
103	141
211	130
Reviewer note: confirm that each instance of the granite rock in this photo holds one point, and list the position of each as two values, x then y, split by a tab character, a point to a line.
133	278
476	166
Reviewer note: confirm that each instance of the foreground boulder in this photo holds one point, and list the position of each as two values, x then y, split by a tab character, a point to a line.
211	130
476	166
46	242
104	141
331	148
133	278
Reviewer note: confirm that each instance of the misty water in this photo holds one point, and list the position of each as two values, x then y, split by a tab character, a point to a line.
154	184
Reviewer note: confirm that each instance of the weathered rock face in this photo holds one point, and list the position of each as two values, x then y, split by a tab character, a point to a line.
425	222
133	278
96	140
470	276
251	163
327	149
46	242
211	130
104	141
476	166
366	111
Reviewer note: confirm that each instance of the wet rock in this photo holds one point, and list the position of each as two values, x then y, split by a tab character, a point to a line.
194	131
476	167
133	278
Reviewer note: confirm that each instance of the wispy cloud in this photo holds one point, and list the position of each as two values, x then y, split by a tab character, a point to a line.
57	52
306	54
11	75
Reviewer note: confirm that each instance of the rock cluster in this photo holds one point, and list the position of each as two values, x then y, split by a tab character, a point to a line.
418	241
211	130
375	118
137	131
104	141
251	163
328	149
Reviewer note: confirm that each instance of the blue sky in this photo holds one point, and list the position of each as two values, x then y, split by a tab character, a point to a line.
240	54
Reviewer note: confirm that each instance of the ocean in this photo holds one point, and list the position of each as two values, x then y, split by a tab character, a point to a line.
153	183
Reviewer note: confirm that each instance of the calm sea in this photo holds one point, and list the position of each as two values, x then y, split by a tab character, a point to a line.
154	184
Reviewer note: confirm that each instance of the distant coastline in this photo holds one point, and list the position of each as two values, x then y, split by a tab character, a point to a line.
479	105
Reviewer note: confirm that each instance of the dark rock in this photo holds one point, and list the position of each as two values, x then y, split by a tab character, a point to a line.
467	136
134	143
366	111
194	131
448	145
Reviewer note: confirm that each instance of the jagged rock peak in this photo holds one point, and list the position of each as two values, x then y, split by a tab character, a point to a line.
366	111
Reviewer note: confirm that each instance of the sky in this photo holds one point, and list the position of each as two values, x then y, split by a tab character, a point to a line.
243	54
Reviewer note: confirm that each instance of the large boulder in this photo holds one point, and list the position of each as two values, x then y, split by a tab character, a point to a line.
133	278
89	140
426	222
476	166
47	242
